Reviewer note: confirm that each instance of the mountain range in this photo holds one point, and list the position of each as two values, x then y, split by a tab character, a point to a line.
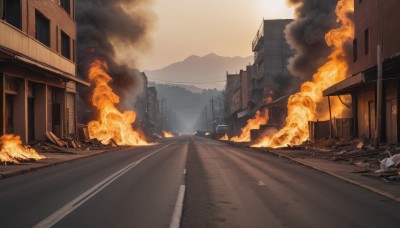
206	72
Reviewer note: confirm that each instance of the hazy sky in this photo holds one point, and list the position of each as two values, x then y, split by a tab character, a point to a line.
199	27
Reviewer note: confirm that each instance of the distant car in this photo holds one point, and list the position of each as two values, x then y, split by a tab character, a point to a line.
220	131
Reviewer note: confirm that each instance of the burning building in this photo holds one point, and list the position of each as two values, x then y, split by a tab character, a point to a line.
38	68
375	24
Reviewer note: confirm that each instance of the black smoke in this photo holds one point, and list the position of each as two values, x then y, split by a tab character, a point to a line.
306	34
102	26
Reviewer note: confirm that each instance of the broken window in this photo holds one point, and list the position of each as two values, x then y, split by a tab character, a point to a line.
65	45
66	5
42	29
11	12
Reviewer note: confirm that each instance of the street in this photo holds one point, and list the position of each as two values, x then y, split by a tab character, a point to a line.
226	186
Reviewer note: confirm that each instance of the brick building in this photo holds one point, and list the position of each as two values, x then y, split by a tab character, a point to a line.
370	29
271	54
37	68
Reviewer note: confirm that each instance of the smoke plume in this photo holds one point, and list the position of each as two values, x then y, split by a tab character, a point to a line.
306	34
105	26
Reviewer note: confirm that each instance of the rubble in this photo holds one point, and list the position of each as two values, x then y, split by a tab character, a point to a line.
383	163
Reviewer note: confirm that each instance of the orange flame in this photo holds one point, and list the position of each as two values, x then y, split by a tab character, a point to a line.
261	118
11	150
112	125
224	138
168	134
302	106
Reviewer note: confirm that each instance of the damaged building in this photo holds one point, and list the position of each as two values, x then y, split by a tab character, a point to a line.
375	24
37	68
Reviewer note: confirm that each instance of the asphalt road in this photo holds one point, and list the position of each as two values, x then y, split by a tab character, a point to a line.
225	187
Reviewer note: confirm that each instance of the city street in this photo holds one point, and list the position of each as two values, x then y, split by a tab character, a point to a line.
225	187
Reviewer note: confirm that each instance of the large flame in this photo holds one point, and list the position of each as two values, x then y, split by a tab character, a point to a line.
261	118
12	150
112	125
168	134
302	106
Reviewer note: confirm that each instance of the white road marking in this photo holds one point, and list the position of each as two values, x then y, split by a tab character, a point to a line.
75	203
184	172
261	183
176	217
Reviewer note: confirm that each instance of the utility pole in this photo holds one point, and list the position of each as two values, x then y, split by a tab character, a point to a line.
162	113
378	123
206	118
212	110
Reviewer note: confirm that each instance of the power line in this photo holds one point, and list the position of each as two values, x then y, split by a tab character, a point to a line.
194	83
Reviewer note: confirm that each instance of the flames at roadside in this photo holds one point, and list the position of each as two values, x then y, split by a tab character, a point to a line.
168	134
261	118
302	106
12	150
224	138
111	125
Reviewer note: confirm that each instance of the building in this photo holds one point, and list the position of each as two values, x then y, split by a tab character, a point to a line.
374	24
37	68
271	55
237	100
152	108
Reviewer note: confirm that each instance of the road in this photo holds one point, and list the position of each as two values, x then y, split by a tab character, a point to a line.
220	186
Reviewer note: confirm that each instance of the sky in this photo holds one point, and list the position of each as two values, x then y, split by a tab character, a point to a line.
200	27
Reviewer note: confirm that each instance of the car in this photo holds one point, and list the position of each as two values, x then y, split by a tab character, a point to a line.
220	131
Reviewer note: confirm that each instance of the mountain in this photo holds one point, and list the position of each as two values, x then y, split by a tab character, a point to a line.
206	72
187	105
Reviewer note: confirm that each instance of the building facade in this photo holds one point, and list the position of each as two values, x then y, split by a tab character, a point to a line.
271	55
37	68
376	23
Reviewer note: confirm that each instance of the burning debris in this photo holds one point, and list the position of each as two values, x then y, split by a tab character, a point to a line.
12	150
261	118
224	138
111	125
168	134
302	106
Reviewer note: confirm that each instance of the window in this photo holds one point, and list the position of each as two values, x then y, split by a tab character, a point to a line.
42	29
355	50
366	38
65	45
66	5
11	12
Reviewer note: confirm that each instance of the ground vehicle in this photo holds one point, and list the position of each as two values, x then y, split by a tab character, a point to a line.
220	131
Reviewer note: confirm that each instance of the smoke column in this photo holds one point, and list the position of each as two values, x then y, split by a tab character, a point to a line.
104	25
306	34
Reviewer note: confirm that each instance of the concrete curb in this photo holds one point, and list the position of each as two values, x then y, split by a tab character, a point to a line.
367	187
28	170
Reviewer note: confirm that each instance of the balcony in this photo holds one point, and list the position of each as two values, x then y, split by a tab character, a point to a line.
259	39
27	48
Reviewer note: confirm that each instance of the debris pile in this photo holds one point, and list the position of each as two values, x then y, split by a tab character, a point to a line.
383	162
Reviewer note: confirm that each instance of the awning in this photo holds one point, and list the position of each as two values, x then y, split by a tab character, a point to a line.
243	113
345	86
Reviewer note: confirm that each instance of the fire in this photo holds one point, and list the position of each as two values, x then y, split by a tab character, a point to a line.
11	150
261	118
112	125
302	106
168	134
224	138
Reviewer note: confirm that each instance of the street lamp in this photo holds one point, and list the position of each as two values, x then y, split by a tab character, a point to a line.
378	123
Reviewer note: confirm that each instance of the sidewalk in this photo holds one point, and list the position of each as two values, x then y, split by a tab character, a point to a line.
52	159
342	171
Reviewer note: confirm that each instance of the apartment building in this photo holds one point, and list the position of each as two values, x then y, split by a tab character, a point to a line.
37	68
376	22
